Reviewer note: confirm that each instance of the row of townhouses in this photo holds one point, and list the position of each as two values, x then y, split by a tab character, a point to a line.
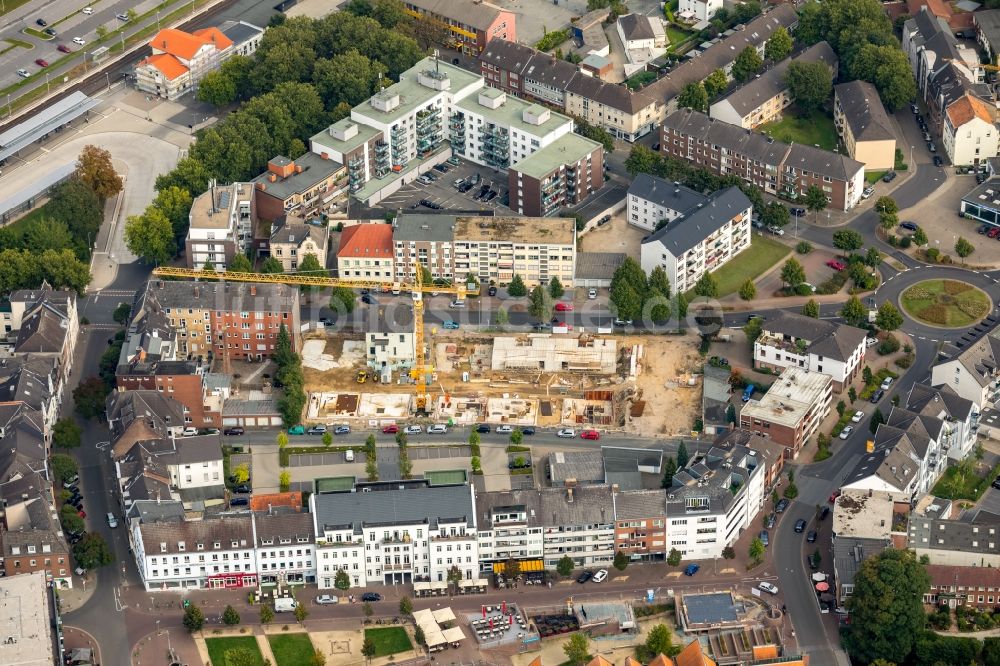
36	353
399	532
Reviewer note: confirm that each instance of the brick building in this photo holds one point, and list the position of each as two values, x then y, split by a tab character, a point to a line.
470	24
184	381
640	524
299	186
564	175
792	410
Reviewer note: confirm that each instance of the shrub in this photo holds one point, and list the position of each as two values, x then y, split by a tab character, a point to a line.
804	247
890	345
905	242
904	362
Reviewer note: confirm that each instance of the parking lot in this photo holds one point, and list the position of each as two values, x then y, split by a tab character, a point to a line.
443	192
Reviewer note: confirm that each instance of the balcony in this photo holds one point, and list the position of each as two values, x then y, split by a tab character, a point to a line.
397	566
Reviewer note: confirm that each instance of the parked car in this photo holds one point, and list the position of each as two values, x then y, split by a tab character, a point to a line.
764	538
528	431
437	429
886	383
600	576
413	429
562	306
833	496
62	48
371	596
112	521
867	192
442	168
938	161
454	161
846	432
325	599
797	212
41	62
492	291
483	427
770	588
776	230
504	429
23	73
592	293
317	430
87	10
781	506
450	325
390	429
368	298
811	536
71	482
79	41
456	304
42	22
51	32
237	430
242	488
691	569
122	17
297	430
342	430
566	433
824	512
623	322
858	416
770	521
909	226
800	526
836	265
584	577
889	177
190	432
996	483
590	434
869	342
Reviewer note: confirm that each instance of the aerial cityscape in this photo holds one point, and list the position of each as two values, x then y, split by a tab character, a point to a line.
500	332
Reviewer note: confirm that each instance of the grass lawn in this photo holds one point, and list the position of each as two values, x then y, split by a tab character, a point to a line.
217	648
37	33
872	177
637	81
291	649
676	35
960	482
814	129
949	303
750	263
389	640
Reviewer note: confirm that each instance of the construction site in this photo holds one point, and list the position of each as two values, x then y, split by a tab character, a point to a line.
643	385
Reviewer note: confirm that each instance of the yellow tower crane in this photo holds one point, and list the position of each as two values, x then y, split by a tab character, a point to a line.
420	371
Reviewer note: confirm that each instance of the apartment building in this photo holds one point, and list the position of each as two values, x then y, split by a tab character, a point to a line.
390	348
180	60
954	586
427	240
31	613
702	239
969	132
395	533
34	381
505	532
366	252
212	318
285	547
470	24
949	542
795	341
44	322
303	186
699	10
776	168
763	99
640	524
863	125
184	381
245	36
716	496
220	225
135	416
495	249
974	372
32	539
565	174
292	238
959	417
182	468
792	410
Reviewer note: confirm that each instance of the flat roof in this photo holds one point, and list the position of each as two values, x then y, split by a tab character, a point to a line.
38	186
48	119
314	170
568	148
206	216
26	617
790	397
856	514
326	138
541	230
510	112
711	608
413	94
598	265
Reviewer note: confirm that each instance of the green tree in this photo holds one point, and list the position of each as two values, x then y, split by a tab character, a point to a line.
194	618
674	557
349	77
659	640
341	580
63	468
682	455
310	267
89	397
810	84
779	46
71	520
150	236
887	612
693	96
556	289
707	286
66	434
230	616
594	133
342	299
300	612
516	288
747	63
748	291
577	648
920	236
405	605
854	312
272	265
852	393
620	561
886	204
669	469
368	648
815	199
811	309
266	614
539	304
516	437
964	248
327	439
716	83
847	240
121	313
94	168
756	551
241	473
888	317
792	273
284	481
565	565
92	551
773	214
752	330
876	420
208	267
217	89
841	408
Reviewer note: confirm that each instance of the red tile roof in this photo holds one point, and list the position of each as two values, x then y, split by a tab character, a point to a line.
966	108
185	45
946	576
168	65
372	241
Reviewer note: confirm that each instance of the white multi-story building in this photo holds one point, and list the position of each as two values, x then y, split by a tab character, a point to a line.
969	132
715	497
702	10
365	252
220	225
391	349
180	60
796	341
495	249
701	234
395	533
285	548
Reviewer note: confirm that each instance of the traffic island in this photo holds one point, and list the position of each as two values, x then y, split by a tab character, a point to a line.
945	303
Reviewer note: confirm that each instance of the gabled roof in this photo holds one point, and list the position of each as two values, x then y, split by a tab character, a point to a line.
168	65
863	111
692	655
640	504
636	26
207	532
294	231
23	439
933	401
609	94
369	241
28	378
966	109
43	329
474	13
184	45
835	341
687	231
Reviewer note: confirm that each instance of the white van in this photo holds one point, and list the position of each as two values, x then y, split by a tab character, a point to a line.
112	521
349	455
284	605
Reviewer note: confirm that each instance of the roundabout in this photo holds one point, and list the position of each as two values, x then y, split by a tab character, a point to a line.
945	303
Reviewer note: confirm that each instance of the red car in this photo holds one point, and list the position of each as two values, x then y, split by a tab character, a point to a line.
81	513
834	496
994	232
590	434
62	48
836	265
564	307
390	429
42	63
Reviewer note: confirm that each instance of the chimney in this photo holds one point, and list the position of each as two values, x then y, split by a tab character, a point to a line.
261	186
253	290
272	177
569	495
298	168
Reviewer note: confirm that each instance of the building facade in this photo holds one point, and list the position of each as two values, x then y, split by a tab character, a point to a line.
564	175
640	524
220	225
470	24
792	410
293	238
974	372
180	60
366	252
303	186
864	126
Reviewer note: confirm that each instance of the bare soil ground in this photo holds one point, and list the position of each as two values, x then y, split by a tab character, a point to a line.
672	401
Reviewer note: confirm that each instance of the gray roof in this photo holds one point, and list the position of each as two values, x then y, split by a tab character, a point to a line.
413	505
551	507
712	608
863	111
942	534
294	230
640	504
823	162
715	396
850	552
283	525
900	444
240	31
424	227
664	193
28	378
609	94
932	401
982	359
45	121
769	84
685	232
988	23
581	466
598	265
207	532
314	170
151	511
43	330
474	13
23	439
226	296
836	341
636	26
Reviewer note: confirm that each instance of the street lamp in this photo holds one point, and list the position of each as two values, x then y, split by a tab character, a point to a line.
157	19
